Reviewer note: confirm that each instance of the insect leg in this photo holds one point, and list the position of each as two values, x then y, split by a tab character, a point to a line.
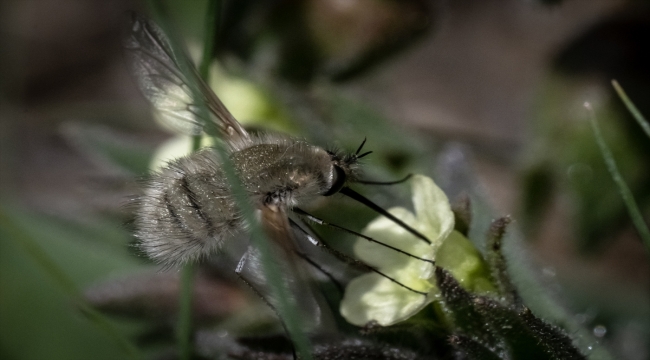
324	223
320	269
313	263
239	271
352	261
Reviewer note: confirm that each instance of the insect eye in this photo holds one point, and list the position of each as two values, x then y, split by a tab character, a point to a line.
338	180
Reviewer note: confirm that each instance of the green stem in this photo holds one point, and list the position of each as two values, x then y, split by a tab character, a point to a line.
50	267
184	330
270	266
631	108
211	21
626	194
258	237
184	327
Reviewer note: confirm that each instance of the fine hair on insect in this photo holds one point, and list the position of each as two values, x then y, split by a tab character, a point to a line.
187	210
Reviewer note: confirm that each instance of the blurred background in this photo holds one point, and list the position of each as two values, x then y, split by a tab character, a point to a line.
484	96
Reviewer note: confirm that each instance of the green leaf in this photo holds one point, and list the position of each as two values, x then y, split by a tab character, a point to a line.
43	264
107	147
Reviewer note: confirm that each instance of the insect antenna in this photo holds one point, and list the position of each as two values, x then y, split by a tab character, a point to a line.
361	147
367	202
356	155
362	155
350	260
324	223
369	182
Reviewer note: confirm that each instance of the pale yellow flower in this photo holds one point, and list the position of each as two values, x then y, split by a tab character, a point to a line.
372	297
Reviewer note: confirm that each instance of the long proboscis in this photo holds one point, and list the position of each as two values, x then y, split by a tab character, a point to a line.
367	202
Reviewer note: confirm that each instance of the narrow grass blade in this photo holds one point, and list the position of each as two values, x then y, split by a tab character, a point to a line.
258	237
632	108
626	194
184	330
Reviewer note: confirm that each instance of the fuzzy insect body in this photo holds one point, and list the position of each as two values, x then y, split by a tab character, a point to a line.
188	210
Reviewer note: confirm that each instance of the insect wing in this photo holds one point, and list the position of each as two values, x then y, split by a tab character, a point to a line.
276	226
309	304
172	84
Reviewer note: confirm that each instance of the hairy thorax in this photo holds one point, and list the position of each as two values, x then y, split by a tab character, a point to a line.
285	173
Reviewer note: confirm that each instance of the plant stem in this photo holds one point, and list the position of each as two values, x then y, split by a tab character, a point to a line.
271	269
631	108
270	266
184	331
184	327
211	22
626	194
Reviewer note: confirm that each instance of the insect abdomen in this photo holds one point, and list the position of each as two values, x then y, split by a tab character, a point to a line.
187	211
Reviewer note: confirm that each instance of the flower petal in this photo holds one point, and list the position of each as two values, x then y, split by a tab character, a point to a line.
388	260
372	297
432	209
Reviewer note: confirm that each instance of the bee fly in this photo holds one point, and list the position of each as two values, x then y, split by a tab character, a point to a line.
188	211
